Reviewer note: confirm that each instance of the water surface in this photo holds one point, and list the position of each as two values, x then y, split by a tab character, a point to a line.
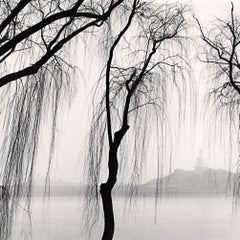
182	218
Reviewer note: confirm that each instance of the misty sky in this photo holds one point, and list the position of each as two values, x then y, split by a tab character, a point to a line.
74	124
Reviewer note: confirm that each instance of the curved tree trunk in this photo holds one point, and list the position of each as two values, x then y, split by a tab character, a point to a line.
106	194
109	224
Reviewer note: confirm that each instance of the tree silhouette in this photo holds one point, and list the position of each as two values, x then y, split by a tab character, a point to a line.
33	47
221	54
135	94
222	43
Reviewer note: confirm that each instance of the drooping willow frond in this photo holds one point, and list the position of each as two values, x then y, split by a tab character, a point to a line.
146	69
28	105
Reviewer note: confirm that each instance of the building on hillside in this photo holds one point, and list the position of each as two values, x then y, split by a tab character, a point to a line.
200	163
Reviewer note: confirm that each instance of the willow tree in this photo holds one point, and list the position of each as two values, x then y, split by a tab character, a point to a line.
221	53
35	78
145	56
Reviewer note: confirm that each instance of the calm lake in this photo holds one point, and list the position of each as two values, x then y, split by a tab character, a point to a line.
180	218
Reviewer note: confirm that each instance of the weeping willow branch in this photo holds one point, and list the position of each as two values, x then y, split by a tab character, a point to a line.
30	104
137	72
35	81
221	54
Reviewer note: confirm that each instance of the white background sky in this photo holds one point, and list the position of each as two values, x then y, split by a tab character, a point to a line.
68	162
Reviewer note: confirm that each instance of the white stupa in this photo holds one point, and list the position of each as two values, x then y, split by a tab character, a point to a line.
200	163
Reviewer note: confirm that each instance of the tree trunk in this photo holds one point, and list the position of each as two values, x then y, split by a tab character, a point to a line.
109	223
106	194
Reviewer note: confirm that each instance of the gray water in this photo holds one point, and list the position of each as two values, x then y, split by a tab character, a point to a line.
188	218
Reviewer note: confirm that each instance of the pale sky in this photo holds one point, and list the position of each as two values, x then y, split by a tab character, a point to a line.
69	159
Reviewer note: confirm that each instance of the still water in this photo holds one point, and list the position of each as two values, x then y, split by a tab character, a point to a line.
182	218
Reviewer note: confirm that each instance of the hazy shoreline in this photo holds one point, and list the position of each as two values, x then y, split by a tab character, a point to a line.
207	182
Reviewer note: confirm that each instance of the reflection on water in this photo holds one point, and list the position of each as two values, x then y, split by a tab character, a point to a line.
176	219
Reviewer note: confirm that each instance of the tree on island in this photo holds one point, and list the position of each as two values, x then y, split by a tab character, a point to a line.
144	58
34	80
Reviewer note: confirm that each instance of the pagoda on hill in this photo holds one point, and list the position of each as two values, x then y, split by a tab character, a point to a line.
200	163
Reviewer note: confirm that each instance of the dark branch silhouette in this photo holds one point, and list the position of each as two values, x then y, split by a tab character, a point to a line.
221	54
35	79
222	47
135	95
